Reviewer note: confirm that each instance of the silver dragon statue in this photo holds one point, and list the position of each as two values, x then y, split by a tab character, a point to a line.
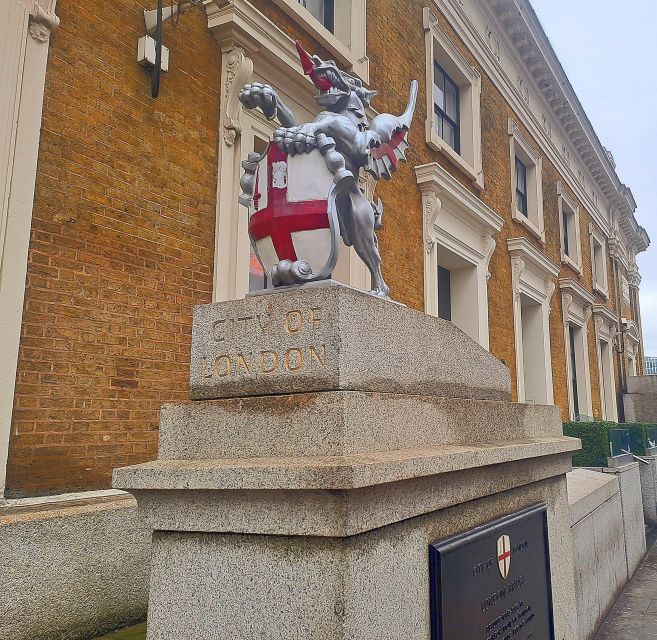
303	192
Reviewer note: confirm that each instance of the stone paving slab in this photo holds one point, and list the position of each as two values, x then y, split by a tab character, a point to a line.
634	616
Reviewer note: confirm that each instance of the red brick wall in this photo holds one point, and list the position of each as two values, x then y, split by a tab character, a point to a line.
121	248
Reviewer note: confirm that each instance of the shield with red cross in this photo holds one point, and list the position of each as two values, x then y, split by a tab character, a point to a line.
293	216
504	555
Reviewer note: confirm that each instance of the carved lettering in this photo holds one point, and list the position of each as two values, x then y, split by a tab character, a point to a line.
293	321
222	366
272	365
205	372
293	359
315	317
321	359
218	330
264	320
242	363
266	361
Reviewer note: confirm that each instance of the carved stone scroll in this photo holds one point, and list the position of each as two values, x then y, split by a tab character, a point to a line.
42	22
238	71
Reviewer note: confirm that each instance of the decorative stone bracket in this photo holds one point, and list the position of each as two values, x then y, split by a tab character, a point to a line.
42	22
237	72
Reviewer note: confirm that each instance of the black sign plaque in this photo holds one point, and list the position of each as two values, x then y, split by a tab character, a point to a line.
493	582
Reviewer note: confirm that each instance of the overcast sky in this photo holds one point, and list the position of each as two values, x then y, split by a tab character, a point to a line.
609	52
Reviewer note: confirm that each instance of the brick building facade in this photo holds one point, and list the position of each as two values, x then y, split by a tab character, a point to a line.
120	211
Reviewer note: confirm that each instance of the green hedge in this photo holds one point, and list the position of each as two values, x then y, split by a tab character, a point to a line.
595	440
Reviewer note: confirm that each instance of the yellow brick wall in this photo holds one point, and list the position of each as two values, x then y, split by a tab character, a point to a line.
123	230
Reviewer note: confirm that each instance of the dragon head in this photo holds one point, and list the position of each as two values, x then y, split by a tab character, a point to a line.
336	88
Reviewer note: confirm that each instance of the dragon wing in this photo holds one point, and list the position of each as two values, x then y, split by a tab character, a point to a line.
393	131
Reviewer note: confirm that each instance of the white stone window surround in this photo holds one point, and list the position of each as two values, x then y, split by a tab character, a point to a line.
520	148
348	41
24	42
574	259
605	329
599	260
456	220
254	49
439	48
632	340
532	275
577	304
625	289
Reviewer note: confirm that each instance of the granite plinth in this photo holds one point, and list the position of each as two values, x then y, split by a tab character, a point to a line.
331	437
342	423
373	586
335	338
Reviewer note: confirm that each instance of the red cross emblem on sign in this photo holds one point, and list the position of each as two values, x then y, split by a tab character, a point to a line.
504	555
293	221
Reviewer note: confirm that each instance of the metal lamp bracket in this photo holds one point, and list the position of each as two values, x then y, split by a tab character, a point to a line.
151	53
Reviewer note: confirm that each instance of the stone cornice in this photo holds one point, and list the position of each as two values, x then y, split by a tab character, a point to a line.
600	310
525	33
432	178
522	248
579	293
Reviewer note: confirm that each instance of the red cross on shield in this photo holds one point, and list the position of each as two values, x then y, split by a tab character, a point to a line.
504	555
293	216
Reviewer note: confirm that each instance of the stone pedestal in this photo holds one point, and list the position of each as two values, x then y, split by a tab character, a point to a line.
332	437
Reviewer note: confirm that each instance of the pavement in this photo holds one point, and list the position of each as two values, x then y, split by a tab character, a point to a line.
634	616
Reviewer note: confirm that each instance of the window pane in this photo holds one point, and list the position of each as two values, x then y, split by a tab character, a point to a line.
521	203
573	367
321	9
564	222
438	122
451	101
521	177
449	133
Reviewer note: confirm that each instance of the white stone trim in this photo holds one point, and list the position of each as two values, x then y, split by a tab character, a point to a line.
575	242
454	218
605	330
532	274
625	290
600	280
348	44
577	304
520	147
632	340
440	48
24	34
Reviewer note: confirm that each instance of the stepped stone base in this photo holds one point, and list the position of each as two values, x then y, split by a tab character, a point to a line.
305	508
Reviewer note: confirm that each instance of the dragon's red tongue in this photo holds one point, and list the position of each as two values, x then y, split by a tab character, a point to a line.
323	84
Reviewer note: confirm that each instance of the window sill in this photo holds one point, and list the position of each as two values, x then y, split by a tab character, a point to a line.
601	290
436	143
571	263
529	225
312	26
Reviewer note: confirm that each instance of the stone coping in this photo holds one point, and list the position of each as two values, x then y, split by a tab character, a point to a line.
587	490
63	505
332	472
334	423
